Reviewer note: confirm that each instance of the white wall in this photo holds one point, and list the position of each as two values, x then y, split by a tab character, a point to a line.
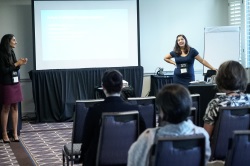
160	22
16	18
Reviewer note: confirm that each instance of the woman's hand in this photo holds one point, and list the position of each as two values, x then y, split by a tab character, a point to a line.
21	61
24	60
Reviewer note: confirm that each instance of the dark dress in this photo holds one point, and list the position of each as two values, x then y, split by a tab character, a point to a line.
10	91
92	126
184	71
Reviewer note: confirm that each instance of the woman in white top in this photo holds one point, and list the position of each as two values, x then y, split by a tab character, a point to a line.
175	103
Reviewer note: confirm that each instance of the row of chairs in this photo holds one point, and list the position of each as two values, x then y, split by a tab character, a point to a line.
147	108
190	150
229	120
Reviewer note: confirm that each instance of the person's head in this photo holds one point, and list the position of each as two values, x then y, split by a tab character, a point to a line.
181	42
231	76
174	102
112	81
8	42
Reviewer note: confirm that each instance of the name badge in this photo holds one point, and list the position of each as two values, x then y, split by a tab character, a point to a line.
183	70
15	79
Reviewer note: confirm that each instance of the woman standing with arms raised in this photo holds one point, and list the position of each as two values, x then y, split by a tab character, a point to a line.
184	56
10	89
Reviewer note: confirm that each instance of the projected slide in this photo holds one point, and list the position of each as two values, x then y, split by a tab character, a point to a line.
94	32
83	34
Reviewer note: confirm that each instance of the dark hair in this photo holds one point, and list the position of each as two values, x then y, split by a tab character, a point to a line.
112	81
175	102
231	76
5	43
177	48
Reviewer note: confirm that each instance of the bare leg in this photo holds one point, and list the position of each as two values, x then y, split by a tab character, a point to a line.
14	114
4	120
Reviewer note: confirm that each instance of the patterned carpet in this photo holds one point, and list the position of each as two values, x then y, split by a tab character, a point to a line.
43	142
7	157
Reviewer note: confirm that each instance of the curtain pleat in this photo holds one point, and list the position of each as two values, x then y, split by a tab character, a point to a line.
55	91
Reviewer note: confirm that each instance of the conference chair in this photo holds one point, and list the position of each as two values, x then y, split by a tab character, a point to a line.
179	150
147	109
72	151
118	131
229	120
239	152
195	113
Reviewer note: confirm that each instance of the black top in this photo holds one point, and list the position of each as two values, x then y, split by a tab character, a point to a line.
7	67
92	126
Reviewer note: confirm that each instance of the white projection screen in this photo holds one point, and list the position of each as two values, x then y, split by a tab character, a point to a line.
85	34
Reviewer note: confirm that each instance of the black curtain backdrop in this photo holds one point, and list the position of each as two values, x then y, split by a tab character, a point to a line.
157	82
55	91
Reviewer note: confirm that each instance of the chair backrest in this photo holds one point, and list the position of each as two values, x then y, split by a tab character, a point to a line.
229	119
179	150
118	131
147	109
81	110
239	152
193	115
196	112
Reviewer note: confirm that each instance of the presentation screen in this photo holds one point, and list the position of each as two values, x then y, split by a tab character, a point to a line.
85	34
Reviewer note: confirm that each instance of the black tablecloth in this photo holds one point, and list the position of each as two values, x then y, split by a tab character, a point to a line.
157	82
55	91
207	92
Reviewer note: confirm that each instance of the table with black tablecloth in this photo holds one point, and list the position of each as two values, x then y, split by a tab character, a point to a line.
157	82
207	92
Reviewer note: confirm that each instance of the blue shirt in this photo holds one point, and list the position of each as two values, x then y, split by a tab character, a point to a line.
184	71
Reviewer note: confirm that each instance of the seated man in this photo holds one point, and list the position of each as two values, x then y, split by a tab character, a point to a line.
112	85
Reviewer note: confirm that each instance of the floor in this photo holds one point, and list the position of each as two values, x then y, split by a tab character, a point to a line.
43	142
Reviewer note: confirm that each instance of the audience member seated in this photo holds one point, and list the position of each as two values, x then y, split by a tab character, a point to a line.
174	103
112	85
231	80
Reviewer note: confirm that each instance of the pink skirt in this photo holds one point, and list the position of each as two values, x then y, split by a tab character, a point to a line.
10	94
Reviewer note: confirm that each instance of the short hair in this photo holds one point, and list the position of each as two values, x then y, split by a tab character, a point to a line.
231	76
5	43
112	81
175	102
